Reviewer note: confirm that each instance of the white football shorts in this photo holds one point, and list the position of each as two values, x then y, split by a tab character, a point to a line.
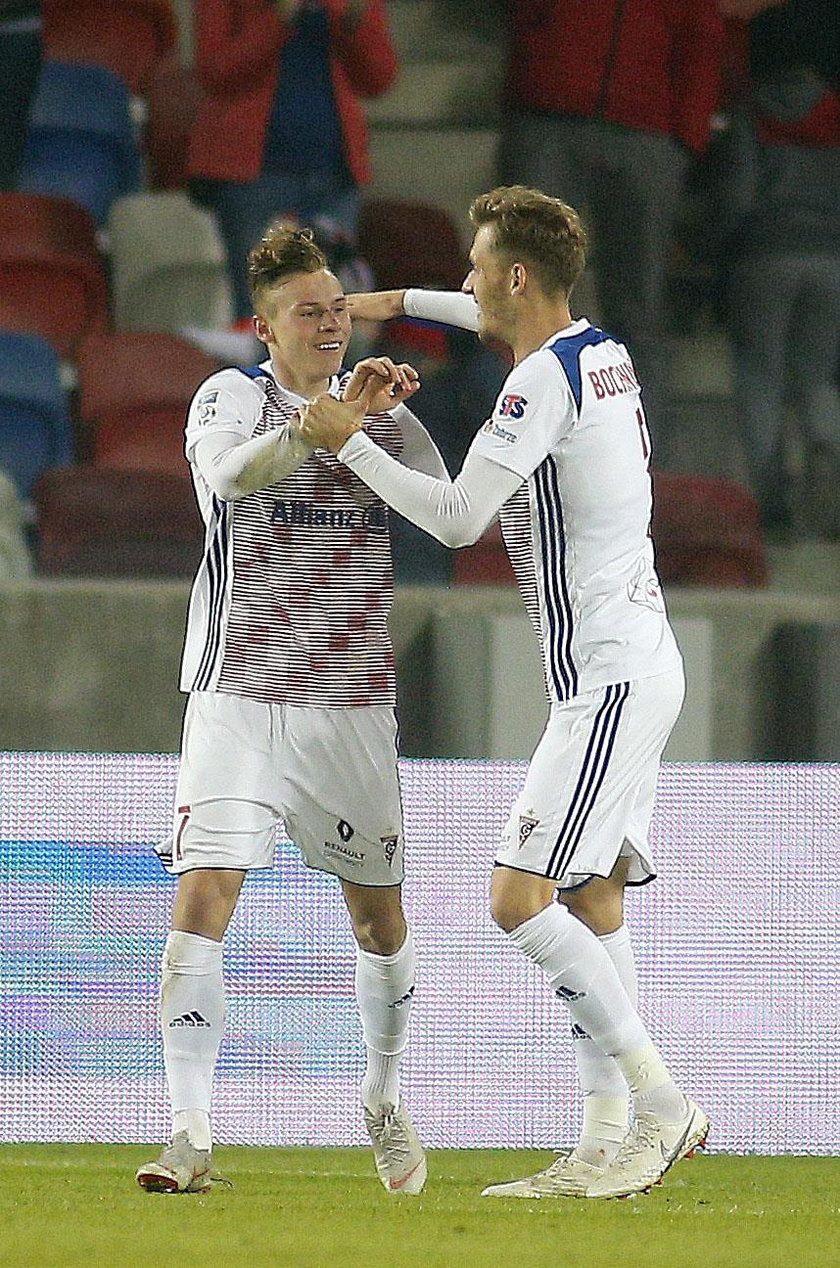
329	775
589	791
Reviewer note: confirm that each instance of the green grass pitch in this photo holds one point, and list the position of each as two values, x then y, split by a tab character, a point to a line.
78	1205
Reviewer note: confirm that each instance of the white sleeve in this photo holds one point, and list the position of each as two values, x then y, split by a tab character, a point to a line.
419	450
456	512
453	308
534	412
234	467
226	402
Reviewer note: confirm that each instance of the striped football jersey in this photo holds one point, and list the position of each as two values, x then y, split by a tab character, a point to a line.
291	599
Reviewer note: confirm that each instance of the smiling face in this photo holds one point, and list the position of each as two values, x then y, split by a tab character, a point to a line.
304	323
489	280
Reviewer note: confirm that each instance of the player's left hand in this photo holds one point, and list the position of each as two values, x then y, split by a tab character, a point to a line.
327	423
380	384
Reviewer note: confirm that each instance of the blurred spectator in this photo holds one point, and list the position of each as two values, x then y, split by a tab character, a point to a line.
281	131
606	101
21	53
784	274
809	26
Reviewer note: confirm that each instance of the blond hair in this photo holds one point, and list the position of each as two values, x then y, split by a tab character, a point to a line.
285	249
543	232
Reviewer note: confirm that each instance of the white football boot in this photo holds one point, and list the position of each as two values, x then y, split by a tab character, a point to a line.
568	1177
648	1150
181	1168
400	1160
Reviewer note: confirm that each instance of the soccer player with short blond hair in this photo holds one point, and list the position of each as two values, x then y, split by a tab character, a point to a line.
289	669
563	461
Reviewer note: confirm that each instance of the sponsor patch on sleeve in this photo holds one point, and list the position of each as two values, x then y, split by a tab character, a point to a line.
205	407
510	409
512	406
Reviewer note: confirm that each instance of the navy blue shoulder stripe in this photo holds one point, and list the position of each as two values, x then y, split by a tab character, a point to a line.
253	371
567	351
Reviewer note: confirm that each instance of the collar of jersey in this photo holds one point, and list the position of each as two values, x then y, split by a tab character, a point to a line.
568	332
268	370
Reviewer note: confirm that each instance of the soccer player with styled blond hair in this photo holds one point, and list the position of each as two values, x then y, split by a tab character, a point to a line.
563	461
289	669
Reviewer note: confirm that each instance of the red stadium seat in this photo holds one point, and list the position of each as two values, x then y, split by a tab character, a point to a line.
52	279
173	97
410	244
126	36
484	564
93	523
134	389
706	533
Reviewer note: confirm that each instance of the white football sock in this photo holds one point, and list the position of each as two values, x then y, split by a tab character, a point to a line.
192	1015
605	1093
654	1091
582	974
384	991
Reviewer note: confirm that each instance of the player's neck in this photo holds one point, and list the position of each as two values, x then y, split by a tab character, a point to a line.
300	385
536	324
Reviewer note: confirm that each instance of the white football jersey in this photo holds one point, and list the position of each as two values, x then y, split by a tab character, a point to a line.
291	600
569	420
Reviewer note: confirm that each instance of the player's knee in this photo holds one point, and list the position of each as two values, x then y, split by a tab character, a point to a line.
517	896
206	900
599	904
380	933
509	911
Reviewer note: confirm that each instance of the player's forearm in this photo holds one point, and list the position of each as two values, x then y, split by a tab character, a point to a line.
419	451
453	308
456	512
375	305
235	470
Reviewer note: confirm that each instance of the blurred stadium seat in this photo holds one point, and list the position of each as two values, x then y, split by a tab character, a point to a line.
484	564
52	279
134	390
81	142
410	244
100	523
172	97
168	264
706	532
35	426
126	36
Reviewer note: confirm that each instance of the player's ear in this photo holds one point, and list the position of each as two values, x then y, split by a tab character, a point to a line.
262	329
518	278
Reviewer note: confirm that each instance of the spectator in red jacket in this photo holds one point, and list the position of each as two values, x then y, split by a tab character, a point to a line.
282	130
606	101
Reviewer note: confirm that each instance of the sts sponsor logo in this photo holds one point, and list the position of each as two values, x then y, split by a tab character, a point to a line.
512	406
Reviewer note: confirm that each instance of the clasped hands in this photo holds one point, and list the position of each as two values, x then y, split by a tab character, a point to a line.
376	385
